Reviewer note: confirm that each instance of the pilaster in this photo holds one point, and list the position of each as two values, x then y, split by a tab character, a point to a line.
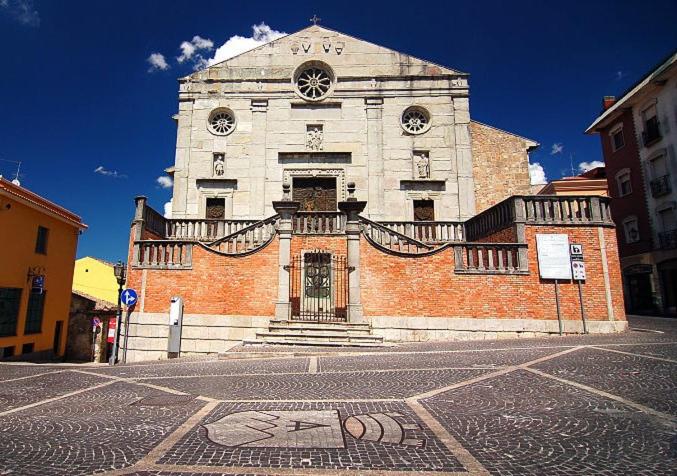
374	107
286	209
257	158
352	208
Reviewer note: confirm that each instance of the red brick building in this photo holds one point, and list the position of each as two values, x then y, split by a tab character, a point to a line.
328	190
639	144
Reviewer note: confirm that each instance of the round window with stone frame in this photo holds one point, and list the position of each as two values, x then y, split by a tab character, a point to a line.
313	81
221	121
415	120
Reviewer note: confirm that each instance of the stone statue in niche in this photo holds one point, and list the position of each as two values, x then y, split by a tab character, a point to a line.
421	165
314	137
219	165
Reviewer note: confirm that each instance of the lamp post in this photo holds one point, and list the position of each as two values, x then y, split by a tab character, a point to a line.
120	271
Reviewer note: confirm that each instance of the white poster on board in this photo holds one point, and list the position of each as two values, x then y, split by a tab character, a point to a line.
554	261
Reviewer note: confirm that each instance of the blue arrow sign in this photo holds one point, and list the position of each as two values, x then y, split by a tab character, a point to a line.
128	297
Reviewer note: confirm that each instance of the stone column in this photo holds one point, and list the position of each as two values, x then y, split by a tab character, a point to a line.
286	209
352	208
257	159
375	179
139	224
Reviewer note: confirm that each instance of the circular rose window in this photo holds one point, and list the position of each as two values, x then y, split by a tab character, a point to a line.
313	81
222	122
415	120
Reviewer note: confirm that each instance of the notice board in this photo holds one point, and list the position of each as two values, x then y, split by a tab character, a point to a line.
554	261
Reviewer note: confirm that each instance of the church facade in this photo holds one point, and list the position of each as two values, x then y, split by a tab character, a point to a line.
327	189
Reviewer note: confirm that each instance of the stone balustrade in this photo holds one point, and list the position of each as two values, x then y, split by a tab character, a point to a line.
428	231
245	240
319	223
203	229
163	254
539	210
391	240
491	258
567	210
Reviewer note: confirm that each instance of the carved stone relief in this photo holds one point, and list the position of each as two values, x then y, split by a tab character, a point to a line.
314	137
340	175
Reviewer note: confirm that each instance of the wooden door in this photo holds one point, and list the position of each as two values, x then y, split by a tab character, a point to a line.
316	194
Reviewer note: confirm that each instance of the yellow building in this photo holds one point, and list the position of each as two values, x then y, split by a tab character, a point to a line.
94	277
38	240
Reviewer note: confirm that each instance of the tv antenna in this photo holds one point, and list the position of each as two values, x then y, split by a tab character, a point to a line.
18	169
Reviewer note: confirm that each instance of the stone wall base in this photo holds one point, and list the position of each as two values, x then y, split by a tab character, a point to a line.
421	329
204	334
201	334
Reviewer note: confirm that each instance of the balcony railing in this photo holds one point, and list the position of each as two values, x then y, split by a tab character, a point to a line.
428	231
163	254
491	258
319	223
661	186
667	239
651	133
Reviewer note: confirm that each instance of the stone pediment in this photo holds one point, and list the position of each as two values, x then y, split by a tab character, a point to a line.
349	57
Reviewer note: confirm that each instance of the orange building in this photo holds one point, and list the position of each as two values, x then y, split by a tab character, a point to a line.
593	182
38	240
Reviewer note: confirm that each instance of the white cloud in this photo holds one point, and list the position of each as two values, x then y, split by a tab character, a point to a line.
537	174
22	11
236	44
557	148
190	49
164	181
157	61
168	209
101	170
585	166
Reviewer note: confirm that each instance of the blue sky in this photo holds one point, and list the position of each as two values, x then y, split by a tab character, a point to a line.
77	93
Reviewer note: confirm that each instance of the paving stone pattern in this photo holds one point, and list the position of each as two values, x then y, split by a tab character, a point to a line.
647	381
19	393
522	424
219	367
358	454
88	432
351	413
354	385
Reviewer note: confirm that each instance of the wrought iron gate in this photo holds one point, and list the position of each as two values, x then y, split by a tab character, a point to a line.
318	287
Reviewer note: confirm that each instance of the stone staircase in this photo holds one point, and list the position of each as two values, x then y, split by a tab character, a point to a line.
337	334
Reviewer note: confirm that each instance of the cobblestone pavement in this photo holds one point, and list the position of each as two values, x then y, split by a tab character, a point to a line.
574	405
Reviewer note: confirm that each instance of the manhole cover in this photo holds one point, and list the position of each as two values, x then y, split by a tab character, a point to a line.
165	400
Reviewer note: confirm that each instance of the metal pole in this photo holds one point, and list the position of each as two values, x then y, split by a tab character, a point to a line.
124	346
559	314
580	298
118	322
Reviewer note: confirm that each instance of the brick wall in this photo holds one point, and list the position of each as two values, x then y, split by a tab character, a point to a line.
245	286
500	165
427	286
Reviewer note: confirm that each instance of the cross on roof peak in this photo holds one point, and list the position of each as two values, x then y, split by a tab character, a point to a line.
315	19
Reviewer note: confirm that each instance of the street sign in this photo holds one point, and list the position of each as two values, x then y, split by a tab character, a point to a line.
96	322
578	268
576	251
554	261
38	284
128	297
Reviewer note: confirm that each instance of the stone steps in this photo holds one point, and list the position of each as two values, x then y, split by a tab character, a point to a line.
317	334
